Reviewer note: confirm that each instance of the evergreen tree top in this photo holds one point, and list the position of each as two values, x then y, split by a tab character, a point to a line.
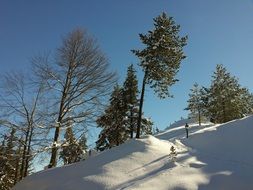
162	54
131	86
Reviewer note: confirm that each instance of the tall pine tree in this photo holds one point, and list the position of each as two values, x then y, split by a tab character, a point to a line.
196	102
9	161
227	99
161	58
130	94
113	121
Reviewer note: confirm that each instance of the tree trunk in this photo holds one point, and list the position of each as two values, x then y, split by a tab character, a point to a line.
17	165
24	153
141	105
199	118
224	112
131	124
53	161
28	153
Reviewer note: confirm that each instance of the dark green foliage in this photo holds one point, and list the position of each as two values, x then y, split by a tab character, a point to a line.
205	97
196	103
130	95
10	155
228	100
72	149
156	130
161	57
83	143
225	100
119	121
146	126
130	88
113	122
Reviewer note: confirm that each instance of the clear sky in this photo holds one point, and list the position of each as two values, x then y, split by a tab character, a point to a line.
220	32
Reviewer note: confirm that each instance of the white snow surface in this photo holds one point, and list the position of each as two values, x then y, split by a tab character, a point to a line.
214	157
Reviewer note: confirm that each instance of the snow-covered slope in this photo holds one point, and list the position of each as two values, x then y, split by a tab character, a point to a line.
214	157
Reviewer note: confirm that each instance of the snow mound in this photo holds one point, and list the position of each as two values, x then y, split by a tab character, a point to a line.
177	129
112	169
228	142
181	122
213	157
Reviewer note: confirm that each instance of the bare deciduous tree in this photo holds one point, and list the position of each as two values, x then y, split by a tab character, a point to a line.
20	104
78	80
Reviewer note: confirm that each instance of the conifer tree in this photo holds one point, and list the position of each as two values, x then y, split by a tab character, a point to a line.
161	58
72	149
205	97
227	99
8	161
83	143
146	126
2	164
195	102
112	122
156	130
130	94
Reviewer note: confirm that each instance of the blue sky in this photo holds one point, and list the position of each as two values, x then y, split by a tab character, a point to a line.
220	32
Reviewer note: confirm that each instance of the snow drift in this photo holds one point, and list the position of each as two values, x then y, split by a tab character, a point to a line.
213	157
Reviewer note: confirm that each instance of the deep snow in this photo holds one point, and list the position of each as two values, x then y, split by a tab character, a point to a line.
214	157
